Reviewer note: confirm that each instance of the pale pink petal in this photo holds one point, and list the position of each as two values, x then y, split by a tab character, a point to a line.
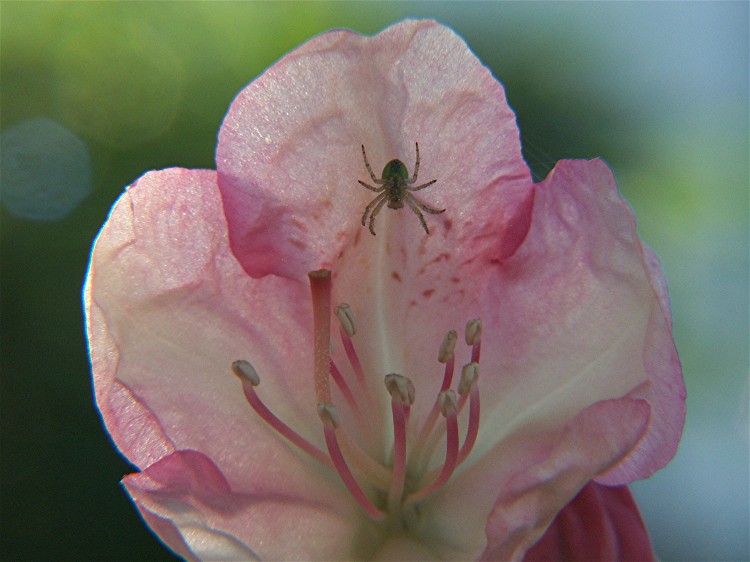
572	318
187	489
289	153
168	310
666	391
601	523
168	532
500	506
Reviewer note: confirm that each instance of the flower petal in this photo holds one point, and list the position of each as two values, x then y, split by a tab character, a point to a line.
289	153
601	523
517	489
666	391
187	489
168	310
572	318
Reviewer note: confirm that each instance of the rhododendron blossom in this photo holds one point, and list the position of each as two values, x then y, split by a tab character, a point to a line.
291	387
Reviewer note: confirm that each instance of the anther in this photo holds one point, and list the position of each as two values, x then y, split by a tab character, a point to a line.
244	370
473	337
345	314
469	374
400	387
447	347
473	331
447	401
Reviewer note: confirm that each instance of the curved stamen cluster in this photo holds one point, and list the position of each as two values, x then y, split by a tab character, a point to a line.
388	487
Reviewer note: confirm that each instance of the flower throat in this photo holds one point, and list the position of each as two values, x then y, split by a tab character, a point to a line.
391	489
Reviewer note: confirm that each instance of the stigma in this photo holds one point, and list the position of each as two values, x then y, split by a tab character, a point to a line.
387	479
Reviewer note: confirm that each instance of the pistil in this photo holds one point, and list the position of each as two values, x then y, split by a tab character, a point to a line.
320	288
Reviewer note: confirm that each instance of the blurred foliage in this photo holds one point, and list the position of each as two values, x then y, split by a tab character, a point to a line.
145	86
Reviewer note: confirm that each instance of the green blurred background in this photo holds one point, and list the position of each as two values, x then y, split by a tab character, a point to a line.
95	94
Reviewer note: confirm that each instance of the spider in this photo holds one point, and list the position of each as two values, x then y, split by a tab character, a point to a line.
395	188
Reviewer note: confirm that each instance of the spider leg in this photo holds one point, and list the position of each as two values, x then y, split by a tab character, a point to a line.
371	188
424	206
369	168
416	168
383	198
413	205
377	201
417	188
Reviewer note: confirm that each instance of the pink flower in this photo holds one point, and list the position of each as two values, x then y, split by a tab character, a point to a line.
562	313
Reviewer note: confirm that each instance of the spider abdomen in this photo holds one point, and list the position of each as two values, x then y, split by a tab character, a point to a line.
395	169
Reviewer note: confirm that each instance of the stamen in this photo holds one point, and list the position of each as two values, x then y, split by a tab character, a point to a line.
320	287
245	370
340	381
347	328
401	387
351	353
445	355
328	416
469	384
345	314
447	348
473	337
250	379
449	411
402	397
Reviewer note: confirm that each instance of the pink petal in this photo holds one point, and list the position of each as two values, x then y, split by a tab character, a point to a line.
289	153
666	391
600	523
501	506
168	310
573	318
187	489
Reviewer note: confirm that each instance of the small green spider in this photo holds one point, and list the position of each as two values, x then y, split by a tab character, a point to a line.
394	189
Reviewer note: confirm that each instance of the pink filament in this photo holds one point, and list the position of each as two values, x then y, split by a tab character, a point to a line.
432	416
346	475
475	349
340	381
286	431
398	476
451	461
351	353
473	429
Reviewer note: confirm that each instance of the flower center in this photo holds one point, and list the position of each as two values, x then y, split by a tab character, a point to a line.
391	488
